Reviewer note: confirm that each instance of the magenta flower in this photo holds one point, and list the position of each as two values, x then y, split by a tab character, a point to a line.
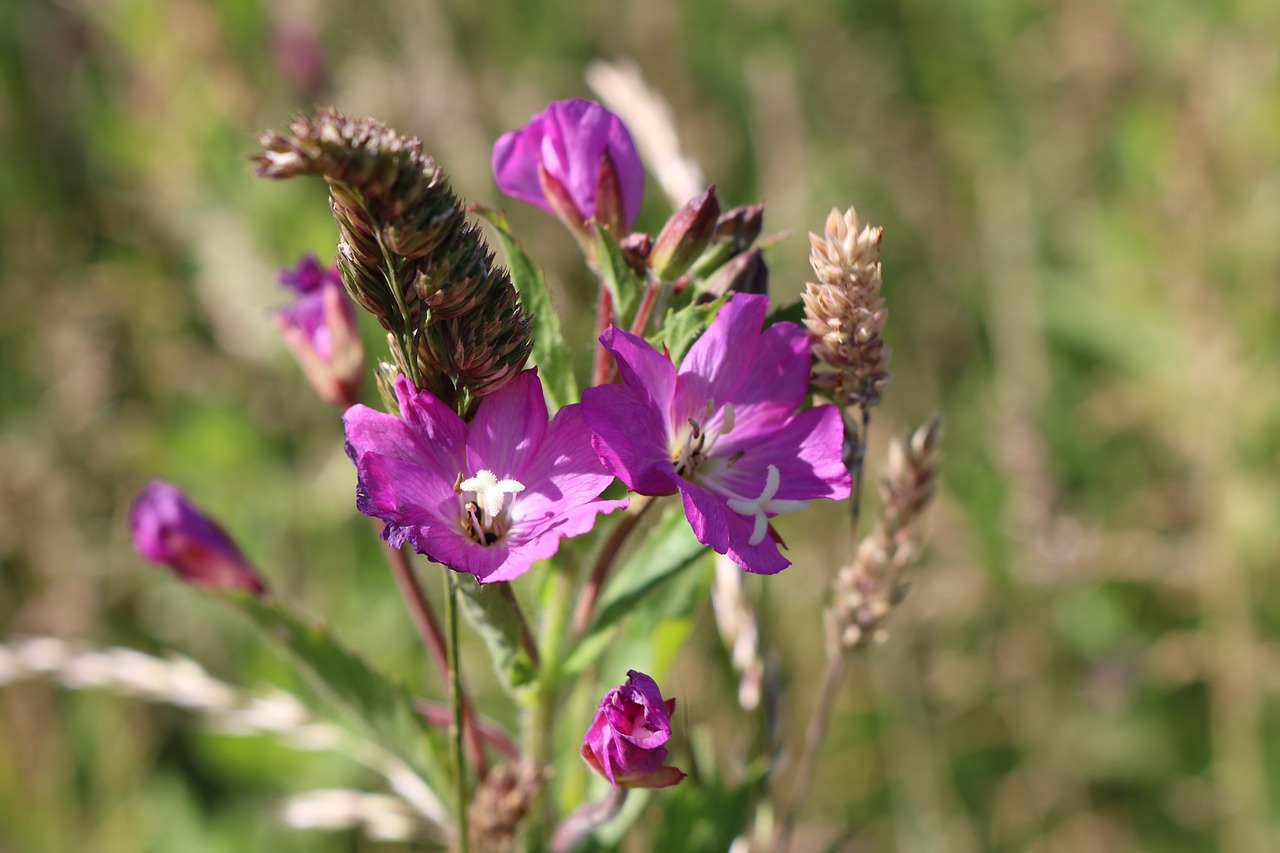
168	529
722	430
625	741
573	159
489	497
320	330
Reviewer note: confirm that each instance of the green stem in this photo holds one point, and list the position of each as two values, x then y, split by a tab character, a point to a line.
455	701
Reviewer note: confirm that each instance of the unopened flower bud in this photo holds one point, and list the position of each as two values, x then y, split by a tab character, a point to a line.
320	329
168	529
635	250
625	741
747	273
684	236
588	153
735	232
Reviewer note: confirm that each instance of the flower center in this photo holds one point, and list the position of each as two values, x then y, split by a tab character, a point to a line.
762	507
483	516
694	444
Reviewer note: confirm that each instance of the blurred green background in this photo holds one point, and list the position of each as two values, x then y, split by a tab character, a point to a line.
1081	203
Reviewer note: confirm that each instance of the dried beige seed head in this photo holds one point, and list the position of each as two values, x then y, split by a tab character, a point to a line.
867	590
501	802
844	311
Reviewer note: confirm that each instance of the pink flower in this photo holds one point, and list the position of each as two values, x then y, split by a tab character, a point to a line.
168	529
625	741
574	159
488	497
722	430
320	329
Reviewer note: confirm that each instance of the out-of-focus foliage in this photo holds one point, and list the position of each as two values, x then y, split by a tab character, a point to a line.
1081	203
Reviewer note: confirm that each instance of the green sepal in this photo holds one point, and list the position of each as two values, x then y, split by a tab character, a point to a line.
623	283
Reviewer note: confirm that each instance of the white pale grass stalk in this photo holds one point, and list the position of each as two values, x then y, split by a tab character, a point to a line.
183	683
652	123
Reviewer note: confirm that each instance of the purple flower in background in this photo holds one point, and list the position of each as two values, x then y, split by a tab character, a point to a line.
722	430
489	497
168	529
574	159
625	741
320	330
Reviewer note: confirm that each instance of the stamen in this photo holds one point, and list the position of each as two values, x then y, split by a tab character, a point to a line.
490	491
726	420
762	507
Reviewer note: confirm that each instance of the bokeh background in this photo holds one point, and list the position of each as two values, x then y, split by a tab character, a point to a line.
1081	203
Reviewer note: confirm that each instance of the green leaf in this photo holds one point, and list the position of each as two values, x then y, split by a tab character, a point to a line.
349	691
549	351
493	611
681	328
623	283
669	548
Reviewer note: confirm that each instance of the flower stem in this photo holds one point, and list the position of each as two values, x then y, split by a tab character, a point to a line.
813	738
424	619
455	700
837	655
574	828
604	316
608	554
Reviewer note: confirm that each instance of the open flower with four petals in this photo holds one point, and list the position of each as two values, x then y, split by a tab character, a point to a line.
722	429
487	497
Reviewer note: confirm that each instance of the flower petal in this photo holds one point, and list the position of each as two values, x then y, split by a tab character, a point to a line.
717	362
729	533
630	437
577	137
563	474
508	428
515	162
806	450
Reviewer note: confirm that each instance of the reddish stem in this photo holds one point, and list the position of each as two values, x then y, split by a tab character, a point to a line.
604	316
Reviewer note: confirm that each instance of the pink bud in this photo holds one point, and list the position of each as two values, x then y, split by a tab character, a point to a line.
319	328
625	741
588	152
168	529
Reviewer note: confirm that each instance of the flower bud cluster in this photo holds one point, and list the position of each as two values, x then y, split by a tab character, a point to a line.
868	589
845	313
501	801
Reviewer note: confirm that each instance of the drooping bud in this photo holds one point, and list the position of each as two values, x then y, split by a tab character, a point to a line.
747	273
625	741
685	236
319	327
168	529
735	232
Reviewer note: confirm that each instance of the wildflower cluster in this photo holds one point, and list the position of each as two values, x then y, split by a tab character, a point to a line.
485	458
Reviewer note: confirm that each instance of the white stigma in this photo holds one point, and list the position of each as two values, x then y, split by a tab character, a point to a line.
491	493
761	507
